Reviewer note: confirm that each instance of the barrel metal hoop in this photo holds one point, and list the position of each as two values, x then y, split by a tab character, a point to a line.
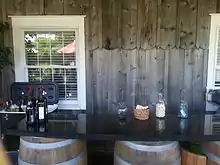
211	156
158	148
120	160
69	162
45	146
123	162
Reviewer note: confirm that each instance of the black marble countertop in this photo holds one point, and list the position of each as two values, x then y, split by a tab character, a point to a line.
198	127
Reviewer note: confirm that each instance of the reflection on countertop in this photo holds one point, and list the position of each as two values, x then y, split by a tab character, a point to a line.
198	127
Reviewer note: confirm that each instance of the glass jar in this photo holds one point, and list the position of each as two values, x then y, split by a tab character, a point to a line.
122	110
160	125
160	107
183	110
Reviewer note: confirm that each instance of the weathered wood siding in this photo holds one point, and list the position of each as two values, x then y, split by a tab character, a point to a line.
134	48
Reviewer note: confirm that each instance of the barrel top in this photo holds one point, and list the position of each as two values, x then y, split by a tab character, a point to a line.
149	146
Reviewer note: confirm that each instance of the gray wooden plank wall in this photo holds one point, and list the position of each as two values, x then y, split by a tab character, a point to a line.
134	49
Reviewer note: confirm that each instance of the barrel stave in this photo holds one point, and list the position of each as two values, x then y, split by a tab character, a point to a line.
46	151
166	153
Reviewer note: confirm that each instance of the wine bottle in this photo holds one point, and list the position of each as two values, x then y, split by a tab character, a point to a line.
42	107
20	106
30	113
30	109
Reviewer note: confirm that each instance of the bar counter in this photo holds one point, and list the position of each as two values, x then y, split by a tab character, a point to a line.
198	127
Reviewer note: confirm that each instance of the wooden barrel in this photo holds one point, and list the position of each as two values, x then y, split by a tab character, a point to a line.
48	151
212	151
189	158
146	153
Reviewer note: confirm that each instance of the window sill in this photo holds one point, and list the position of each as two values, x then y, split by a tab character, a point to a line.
63	106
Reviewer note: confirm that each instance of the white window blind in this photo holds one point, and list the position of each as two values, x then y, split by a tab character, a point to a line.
51	56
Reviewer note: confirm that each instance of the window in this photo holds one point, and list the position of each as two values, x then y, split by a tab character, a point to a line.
52	48
213	78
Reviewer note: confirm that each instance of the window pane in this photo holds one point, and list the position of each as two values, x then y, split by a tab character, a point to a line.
71	91
50	48
61	88
70	48
44	49
57	57
67	82
34	75
71	75
46	75
59	75
30	48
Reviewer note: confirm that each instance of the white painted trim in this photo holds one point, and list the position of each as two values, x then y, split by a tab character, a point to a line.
215	25
52	23
47	21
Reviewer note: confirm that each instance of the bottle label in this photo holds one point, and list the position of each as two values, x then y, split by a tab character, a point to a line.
41	112
32	118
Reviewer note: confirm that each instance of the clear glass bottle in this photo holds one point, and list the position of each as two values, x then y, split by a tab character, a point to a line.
160	125
183	109
122	110
160	107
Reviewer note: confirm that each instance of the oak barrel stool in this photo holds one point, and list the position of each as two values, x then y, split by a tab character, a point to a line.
189	158
212	151
49	151
146	153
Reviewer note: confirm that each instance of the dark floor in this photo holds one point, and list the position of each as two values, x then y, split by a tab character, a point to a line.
99	152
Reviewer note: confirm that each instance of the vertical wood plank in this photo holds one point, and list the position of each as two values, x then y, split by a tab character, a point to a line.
142	87
187	12
8	72
155	67
198	90
166	29
176	66
95	23
89	82
128	76
34	7
129	24
98	74
94	79
218	6
54	7
106	71
76	6
203	24
110	23
147	24
166	73
2	42
115	80
15	7
188	78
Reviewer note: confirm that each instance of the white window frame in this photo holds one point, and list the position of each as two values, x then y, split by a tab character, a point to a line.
215	26
64	23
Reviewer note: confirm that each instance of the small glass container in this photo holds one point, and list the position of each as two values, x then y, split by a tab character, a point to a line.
183	125
160	107
122	111
160	125
183	111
